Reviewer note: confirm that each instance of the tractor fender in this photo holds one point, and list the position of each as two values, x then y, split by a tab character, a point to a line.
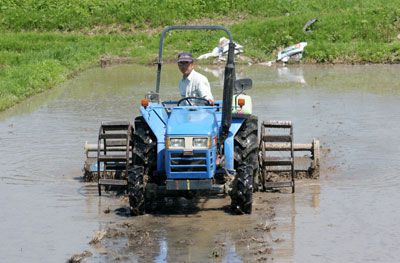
229	143
156	117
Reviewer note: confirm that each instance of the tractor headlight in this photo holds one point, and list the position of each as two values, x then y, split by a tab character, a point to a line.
176	143
203	142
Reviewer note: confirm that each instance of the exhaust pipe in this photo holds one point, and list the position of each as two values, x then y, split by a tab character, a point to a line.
229	82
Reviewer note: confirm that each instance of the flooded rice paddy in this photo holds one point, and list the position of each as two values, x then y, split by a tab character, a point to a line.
350	214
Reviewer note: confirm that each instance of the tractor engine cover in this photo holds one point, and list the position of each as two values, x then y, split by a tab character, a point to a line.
192	121
190	141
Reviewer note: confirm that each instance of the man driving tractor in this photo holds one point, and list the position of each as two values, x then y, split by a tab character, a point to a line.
192	84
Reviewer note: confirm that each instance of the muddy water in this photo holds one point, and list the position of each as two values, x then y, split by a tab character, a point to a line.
350	214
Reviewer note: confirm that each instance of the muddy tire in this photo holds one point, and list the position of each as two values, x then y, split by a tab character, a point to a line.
242	190
246	165
246	145
136	190
145	156
144	148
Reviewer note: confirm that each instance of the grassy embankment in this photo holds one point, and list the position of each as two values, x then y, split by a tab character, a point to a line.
44	42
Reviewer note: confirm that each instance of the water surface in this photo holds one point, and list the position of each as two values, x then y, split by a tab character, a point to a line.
349	215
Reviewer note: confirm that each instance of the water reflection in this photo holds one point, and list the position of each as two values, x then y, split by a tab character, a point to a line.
215	76
162	257
291	74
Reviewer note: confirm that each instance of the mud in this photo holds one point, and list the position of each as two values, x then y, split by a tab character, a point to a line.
79	257
349	215
199	232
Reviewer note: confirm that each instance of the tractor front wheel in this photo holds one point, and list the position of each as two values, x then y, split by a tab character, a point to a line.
136	190
242	190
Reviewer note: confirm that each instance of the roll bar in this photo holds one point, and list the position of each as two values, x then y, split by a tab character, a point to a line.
170	28
229	76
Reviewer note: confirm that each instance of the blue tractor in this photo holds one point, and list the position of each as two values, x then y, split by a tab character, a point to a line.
189	147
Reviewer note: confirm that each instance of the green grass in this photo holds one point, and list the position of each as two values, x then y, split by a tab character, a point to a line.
33	62
43	42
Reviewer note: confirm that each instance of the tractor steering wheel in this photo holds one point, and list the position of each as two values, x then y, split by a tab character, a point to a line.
190	100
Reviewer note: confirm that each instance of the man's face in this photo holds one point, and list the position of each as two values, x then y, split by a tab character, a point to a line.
185	67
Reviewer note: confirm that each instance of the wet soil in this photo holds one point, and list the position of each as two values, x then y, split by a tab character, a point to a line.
349	215
197	232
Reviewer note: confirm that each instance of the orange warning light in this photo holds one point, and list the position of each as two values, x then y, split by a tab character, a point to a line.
144	102
241	102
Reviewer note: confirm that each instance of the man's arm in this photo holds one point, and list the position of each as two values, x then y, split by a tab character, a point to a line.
205	90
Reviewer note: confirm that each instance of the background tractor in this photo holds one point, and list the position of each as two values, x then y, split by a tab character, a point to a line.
192	148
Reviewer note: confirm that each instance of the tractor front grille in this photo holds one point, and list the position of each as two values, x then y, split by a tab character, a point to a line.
197	165
192	163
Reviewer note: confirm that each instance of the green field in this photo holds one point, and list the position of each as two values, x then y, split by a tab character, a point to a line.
43	42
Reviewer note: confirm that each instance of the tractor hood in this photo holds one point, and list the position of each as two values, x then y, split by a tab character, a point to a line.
192	121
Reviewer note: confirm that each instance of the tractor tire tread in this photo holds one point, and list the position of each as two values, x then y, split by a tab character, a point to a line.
136	192
246	164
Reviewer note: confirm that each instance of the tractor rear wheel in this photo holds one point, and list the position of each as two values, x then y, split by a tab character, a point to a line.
246	165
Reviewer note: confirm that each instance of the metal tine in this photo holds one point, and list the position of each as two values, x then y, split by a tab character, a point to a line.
273	140
114	139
